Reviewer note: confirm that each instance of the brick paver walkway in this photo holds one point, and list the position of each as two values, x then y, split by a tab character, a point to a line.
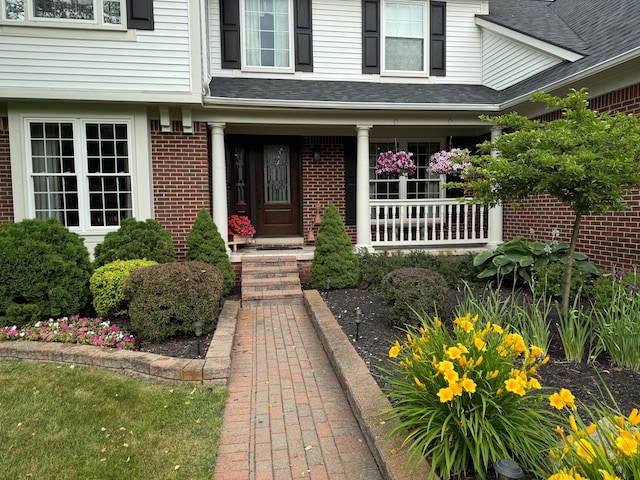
286	416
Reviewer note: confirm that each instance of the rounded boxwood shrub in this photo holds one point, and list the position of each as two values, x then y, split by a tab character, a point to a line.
204	243
409	289
44	271
107	286
134	240
165	299
333	258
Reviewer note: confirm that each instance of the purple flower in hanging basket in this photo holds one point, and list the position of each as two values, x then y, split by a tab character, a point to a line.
393	165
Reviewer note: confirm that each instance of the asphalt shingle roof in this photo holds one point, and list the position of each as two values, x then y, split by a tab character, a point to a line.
599	29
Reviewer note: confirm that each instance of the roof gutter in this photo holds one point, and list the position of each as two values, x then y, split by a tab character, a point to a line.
310	104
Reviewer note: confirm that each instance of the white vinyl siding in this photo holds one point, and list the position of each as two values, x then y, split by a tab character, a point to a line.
337	44
464	43
507	62
147	61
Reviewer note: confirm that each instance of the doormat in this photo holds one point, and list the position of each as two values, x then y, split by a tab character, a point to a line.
279	247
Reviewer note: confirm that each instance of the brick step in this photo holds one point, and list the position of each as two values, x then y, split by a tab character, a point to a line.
270	280
260	280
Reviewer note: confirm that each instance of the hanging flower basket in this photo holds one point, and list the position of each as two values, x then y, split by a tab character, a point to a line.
393	165
454	162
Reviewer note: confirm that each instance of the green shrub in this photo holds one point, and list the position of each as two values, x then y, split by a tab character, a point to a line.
409	289
606	288
550	279
333	258
205	244
457	270
165	300
44	271
134	240
107	286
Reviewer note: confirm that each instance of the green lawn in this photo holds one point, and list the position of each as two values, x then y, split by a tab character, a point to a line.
68	422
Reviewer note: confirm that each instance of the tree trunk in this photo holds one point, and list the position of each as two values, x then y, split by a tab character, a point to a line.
569	268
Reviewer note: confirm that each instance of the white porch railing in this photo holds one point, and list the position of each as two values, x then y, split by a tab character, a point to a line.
432	222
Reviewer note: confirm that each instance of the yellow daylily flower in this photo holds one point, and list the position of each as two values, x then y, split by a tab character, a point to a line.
445	394
394	351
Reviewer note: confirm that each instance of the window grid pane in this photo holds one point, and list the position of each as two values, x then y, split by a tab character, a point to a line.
110	196
100	12
423	184
267	33
52	160
404	36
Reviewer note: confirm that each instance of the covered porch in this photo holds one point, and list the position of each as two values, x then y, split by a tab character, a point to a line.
334	155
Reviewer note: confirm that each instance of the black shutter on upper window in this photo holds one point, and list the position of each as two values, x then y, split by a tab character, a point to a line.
371	36
140	14
303	31
230	33
437	44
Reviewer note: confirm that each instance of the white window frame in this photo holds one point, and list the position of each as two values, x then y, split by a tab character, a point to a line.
96	24
243	44
402	181
81	167
425	41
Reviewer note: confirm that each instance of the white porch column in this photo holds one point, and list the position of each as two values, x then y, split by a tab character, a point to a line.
363	213
495	213
219	180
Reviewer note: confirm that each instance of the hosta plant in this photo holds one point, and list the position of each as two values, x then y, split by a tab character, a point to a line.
466	398
602	445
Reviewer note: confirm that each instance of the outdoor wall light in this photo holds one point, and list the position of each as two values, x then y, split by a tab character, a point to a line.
358	322
507	469
197	328
316	155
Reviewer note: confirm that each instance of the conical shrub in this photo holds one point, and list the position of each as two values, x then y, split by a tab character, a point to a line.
334	258
204	243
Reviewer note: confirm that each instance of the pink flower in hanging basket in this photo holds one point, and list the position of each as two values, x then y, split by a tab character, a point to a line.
391	164
450	162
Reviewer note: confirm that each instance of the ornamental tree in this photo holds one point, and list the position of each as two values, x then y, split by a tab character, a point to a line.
585	159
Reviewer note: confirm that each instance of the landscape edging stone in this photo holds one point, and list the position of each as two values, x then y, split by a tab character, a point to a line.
363	393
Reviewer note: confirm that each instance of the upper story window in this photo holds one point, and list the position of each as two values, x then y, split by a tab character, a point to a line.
404	36
267	33
90	13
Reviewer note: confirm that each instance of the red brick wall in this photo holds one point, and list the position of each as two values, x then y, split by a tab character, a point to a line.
181	183
612	239
6	195
323	182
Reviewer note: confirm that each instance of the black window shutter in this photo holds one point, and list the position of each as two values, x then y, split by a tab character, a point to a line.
230	33
371	36
350	163
140	14
437	44
303	36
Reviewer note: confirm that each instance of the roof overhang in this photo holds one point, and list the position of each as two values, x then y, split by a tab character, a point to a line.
530	41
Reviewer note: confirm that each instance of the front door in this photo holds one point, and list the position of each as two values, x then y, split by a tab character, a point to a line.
265	184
